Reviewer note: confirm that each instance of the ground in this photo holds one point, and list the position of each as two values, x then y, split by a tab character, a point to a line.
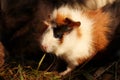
14	70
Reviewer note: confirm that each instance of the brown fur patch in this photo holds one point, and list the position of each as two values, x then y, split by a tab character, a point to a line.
60	19
80	61
100	28
78	33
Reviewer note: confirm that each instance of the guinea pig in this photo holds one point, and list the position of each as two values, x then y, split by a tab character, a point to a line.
76	36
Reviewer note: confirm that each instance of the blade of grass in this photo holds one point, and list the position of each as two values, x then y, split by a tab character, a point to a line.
54	60
20	72
40	62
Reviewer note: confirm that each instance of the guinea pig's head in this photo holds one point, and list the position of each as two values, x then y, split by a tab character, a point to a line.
54	36
58	28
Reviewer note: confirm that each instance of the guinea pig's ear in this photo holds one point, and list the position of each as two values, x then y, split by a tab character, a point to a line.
72	23
46	24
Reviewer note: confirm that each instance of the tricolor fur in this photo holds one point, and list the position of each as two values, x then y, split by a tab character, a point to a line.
81	34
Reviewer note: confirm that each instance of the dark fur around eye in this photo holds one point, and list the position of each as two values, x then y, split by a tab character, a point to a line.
60	30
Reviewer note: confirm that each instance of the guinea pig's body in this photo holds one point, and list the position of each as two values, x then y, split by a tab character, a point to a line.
76	35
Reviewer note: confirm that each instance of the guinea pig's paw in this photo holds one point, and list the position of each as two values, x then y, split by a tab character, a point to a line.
67	71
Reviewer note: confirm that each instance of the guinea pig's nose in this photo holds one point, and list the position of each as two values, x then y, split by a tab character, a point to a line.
43	48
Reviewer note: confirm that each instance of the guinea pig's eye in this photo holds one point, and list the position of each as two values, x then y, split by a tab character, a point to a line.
60	30
57	32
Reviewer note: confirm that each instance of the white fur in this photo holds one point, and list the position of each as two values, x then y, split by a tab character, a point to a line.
49	41
73	47
101	3
95	4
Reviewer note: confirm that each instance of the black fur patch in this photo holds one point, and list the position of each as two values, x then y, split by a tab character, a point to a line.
60	30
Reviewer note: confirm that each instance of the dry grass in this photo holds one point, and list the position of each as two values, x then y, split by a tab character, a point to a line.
16	71
26	73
